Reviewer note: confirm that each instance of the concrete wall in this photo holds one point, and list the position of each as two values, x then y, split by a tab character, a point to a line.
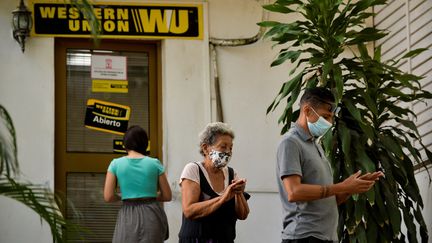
248	86
27	92
425	187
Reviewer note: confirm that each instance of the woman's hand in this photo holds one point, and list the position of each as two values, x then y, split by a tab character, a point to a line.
193	208
164	193
239	186
229	192
241	205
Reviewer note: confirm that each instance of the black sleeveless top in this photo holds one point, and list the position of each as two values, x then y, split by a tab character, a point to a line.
218	226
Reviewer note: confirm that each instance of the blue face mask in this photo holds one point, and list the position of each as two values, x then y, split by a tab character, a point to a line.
319	127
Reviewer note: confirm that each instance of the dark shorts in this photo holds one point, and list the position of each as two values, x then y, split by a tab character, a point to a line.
307	240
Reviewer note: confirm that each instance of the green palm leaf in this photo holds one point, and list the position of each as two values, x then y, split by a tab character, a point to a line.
8	148
41	201
86	8
38	198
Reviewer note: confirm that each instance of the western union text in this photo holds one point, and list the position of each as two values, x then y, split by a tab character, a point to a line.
157	20
108	110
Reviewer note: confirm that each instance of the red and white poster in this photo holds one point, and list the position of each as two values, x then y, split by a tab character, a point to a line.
108	67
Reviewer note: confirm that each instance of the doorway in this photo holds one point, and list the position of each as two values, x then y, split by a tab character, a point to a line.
100	90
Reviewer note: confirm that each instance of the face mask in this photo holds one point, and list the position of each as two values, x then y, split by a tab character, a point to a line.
319	127
220	159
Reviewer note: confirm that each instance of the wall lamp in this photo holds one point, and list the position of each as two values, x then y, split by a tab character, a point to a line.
22	24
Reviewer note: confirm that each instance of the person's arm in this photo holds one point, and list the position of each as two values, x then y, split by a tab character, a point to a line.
298	192
110	194
241	205
193	208
342	197
164	193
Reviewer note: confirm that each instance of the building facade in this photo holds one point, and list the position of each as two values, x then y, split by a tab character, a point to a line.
47	88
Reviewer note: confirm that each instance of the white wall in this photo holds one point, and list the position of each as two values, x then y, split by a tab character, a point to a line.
248	86
27	92
425	187
185	103
409	24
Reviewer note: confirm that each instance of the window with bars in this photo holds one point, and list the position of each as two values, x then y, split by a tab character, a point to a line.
89	210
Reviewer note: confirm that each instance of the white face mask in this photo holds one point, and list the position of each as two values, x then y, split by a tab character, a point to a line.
220	159
319	127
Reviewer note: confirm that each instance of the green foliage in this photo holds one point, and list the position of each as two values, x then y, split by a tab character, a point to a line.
36	197
86	9
373	96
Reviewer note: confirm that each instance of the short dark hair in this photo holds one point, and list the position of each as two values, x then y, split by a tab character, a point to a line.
317	96
136	139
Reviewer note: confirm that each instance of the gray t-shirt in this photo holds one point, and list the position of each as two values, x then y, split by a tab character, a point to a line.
299	154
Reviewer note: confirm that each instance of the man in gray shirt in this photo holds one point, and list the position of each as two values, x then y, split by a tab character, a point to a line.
305	178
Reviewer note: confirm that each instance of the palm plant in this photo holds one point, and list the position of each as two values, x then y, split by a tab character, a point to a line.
85	7
373	95
37	197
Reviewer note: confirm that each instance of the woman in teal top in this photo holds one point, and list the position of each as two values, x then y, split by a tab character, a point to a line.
143	185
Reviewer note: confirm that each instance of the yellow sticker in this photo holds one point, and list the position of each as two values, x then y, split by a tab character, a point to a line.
110	86
106	116
119	148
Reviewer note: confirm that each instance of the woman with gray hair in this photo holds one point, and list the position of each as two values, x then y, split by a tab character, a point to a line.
213	197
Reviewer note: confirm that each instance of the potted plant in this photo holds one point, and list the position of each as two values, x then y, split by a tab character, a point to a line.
374	130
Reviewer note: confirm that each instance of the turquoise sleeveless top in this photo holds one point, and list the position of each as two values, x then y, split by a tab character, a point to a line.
137	177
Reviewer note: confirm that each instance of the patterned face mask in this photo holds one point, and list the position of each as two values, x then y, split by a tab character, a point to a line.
220	159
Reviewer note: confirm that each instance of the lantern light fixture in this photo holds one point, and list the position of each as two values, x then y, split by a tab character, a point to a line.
21	24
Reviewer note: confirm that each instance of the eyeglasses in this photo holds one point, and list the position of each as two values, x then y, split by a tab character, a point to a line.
334	108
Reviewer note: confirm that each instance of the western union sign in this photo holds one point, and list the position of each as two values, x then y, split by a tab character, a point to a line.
119	20
106	116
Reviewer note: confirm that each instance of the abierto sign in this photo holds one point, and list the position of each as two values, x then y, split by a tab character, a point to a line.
106	116
119	20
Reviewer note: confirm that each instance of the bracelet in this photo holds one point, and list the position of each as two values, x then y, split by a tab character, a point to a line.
325	191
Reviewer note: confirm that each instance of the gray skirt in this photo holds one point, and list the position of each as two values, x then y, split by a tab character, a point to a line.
141	221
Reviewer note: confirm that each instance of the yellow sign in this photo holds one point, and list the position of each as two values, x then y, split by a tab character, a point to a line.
119	20
106	116
110	86
119	148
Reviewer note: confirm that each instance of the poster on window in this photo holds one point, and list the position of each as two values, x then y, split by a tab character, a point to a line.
108	67
106	116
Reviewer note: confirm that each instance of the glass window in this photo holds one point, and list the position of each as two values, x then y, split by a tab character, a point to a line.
79	91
